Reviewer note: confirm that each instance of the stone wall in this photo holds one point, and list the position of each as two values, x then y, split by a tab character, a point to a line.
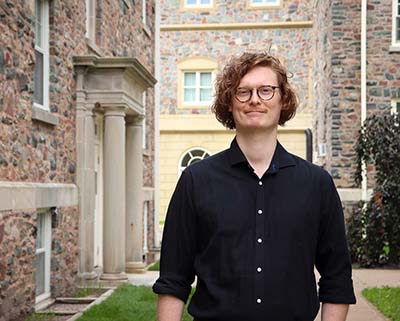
33	151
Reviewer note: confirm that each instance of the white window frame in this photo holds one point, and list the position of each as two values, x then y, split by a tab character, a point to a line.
198	4
44	50
91	20
197	101
264	3
395	16
395	103
47	250
189	151
144	12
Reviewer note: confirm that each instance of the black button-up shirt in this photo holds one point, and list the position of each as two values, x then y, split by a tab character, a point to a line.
253	243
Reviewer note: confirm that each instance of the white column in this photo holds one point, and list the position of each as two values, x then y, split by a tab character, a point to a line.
134	200
114	195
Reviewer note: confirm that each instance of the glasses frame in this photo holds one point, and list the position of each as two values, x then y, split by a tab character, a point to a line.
258	93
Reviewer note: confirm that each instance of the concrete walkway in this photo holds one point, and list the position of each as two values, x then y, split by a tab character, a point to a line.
363	278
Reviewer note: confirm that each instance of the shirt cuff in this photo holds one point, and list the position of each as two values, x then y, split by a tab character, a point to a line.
172	285
336	291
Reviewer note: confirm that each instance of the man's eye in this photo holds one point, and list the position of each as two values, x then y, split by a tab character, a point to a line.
265	90
243	92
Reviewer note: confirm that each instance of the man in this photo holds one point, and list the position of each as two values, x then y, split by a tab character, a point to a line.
251	222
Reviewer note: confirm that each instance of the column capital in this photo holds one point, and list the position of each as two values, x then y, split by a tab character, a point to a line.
136	120
114	112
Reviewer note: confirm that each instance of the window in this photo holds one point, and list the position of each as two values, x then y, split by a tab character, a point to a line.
41	76
192	156
42	262
91	20
197	87
265	3
396	23
396	107
196	82
144	12
198	3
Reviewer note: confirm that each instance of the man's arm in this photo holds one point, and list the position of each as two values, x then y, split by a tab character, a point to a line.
333	312
169	308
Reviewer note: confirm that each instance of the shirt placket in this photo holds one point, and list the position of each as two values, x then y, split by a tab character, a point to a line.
259	268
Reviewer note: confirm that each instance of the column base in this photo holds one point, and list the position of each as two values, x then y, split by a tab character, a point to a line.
114	276
88	275
135	267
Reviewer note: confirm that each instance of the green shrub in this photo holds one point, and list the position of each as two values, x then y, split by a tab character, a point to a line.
374	228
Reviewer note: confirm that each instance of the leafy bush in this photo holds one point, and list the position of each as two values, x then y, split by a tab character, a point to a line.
374	228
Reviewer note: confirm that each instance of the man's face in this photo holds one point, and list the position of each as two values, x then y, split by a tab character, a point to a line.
257	114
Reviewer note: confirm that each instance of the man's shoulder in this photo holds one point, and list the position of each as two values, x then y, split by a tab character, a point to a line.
310	168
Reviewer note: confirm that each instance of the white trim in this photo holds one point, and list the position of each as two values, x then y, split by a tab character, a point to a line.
146	206
144	12
197	88
44	50
47	257
265	4
198	4
395	103
91	20
189	151
395	41
364	9
144	138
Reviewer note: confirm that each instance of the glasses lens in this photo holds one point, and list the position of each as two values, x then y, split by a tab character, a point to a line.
243	94
265	92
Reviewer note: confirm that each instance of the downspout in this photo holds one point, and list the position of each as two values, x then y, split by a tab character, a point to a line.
157	127
364	185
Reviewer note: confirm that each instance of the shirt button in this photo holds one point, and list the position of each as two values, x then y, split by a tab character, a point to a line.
259	183
259	211
259	269
259	240
259	301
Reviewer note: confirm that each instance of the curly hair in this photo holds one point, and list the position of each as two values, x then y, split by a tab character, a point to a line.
229	78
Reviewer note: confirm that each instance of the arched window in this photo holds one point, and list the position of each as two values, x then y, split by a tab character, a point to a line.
192	156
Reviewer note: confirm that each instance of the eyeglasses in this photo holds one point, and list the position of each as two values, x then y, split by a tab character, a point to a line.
264	92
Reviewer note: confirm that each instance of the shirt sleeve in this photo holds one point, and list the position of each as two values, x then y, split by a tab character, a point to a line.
332	258
178	243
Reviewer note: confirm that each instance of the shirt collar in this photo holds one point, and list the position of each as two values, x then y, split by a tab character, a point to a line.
280	159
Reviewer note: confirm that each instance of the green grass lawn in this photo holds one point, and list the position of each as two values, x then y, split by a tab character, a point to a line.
155	266
386	299
127	303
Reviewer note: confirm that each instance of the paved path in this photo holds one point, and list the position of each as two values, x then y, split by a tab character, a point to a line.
362	311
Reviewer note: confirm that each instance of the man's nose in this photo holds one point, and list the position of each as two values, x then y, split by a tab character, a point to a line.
254	96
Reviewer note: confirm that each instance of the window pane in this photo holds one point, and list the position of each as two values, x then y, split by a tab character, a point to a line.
256	1
205	79
398	28
40	232
398	108
205	94
205	2
190	79
39	274
38	78
190	2
38	23
190	94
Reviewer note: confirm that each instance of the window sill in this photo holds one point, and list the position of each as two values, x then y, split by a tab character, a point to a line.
44	116
394	48
94	47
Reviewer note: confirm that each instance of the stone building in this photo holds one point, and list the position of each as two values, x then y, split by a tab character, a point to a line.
344	56
197	37
76	145
356	50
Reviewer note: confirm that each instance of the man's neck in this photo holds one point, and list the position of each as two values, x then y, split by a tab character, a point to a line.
259	148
